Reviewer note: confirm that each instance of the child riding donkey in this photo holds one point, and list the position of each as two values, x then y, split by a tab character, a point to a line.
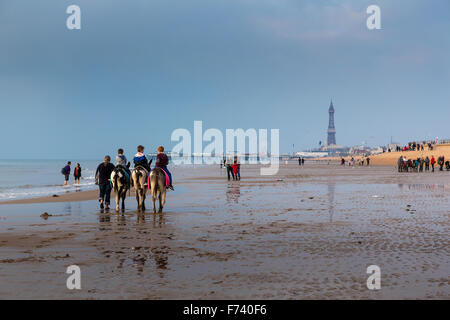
162	161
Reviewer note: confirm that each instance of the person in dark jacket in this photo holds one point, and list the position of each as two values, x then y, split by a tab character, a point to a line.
140	160
66	172
102	179
77	173
162	161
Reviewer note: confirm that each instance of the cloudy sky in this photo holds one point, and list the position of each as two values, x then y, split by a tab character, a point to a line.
139	69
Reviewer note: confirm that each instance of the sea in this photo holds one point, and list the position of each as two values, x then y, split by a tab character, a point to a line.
20	179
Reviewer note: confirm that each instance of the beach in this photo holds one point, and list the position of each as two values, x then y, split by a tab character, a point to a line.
391	158
308	232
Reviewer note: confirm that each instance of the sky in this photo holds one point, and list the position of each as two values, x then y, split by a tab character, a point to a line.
139	69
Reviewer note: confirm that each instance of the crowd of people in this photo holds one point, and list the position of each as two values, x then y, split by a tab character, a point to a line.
422	164
416	146
352	162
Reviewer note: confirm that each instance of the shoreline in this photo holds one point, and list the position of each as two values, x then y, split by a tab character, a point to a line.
74	196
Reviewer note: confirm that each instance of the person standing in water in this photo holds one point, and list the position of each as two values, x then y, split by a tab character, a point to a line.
77	174
103	180
66	172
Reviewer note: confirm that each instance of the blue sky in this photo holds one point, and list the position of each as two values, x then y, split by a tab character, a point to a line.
139	69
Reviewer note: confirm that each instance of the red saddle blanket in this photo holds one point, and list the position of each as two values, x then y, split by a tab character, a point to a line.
167	180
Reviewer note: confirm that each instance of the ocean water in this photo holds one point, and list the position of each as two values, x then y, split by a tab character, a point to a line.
21	179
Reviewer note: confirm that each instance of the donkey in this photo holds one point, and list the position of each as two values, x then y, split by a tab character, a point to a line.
158	187
139	177
121	184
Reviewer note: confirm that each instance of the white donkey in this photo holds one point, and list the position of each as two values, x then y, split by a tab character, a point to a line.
158	187
121	184
139	177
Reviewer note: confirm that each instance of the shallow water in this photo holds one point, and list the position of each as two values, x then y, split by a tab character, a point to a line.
21	179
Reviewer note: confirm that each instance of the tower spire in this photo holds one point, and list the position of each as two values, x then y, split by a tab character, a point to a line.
331	129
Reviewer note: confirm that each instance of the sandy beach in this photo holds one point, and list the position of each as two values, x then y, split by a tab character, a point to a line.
307	233
390	158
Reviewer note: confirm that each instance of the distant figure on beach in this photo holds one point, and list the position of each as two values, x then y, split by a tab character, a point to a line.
77	173
432	162
421	164
303	161
236	168
102	179
66	172
342	162
400	164
441	162
122	162
427	164
299	161
368	161
162	161
228	165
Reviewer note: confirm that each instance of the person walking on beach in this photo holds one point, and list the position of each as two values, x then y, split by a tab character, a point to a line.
400	164
427	164
162	161
66	172
235	167
368	161
228	164
421	163
441	162
77	174
432	162
102	179
237	174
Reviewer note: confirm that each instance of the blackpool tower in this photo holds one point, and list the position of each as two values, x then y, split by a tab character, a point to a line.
331	129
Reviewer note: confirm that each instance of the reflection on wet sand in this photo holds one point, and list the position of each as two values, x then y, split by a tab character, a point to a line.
331	204
139	242
233	192
424	186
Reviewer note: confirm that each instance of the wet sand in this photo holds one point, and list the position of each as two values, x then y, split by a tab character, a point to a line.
67	197
308	233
